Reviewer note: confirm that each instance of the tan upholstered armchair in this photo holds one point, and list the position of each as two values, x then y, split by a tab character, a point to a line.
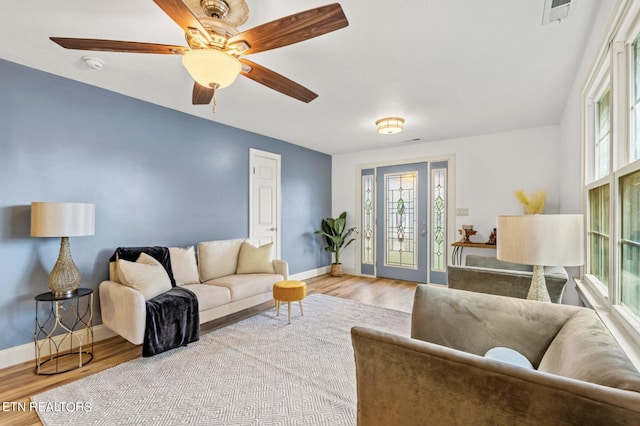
440	377
492	276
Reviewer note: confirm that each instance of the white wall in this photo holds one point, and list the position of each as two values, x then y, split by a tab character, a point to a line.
489	169
570	127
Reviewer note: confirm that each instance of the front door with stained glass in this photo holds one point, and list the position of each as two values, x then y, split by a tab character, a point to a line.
404	222
402	234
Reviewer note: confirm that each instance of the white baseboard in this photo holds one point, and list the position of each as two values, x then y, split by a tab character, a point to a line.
310	273
27	352
24	353
351	271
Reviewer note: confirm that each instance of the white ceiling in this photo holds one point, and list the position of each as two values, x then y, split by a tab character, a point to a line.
451	68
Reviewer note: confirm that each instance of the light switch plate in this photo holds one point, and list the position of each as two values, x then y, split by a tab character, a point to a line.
463	211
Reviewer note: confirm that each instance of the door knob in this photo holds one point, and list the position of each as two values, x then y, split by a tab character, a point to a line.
273	228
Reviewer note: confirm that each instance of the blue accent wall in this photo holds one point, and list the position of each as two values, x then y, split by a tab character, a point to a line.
156	176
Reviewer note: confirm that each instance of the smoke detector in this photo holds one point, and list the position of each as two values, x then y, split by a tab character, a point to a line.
93	63
557	10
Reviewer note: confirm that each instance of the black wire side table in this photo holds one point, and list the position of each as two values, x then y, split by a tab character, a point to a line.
63	332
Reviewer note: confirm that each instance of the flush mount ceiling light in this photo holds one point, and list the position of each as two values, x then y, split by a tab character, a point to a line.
390	125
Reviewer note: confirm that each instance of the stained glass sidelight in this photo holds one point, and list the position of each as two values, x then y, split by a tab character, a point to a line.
400	219
367	220
438	226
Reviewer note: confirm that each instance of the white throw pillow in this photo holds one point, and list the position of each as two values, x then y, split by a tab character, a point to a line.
255	260
183	265
146	275
218	258
508	356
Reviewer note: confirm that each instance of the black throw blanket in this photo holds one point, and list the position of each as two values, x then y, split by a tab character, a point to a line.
172	321
172	317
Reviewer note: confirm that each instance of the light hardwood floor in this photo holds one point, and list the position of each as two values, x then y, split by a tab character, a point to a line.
19	382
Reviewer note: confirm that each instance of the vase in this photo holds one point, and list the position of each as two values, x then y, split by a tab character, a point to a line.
336	270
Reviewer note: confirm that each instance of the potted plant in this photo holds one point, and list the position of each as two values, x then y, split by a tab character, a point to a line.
336	235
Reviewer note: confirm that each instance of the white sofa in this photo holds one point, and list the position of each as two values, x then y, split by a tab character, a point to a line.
228	276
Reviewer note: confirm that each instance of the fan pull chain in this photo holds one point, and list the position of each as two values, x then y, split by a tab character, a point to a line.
214	100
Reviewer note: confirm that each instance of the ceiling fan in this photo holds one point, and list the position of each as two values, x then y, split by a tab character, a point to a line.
214	57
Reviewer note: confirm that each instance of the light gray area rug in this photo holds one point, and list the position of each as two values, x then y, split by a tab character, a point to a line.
260	371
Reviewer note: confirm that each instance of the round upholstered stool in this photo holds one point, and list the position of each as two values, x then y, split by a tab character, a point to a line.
289	291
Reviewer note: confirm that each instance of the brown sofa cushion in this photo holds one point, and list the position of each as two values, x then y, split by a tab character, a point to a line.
476	322
585	350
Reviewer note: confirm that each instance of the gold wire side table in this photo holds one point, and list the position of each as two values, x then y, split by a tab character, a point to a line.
63	332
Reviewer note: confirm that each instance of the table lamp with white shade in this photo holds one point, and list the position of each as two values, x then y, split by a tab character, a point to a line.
541	240
52	219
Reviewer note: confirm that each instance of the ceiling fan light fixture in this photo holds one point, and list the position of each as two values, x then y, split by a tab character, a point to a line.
390	125
211	67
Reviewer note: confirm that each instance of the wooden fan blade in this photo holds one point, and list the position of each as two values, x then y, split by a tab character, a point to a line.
118	46
201	95
181	15
277	82
292	29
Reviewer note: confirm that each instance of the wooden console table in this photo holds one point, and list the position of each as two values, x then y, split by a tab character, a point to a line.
459	245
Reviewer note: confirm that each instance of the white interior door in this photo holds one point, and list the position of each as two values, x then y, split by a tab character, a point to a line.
264	199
